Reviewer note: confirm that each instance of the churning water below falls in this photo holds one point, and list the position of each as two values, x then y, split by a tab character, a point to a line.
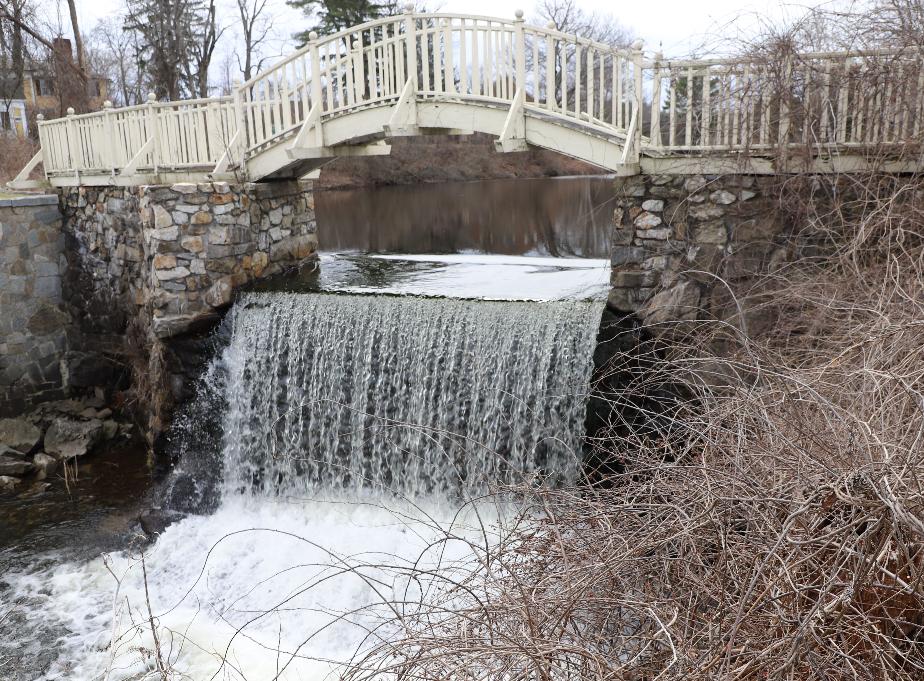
357	434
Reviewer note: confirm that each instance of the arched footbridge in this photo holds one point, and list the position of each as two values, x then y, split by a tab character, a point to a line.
623	110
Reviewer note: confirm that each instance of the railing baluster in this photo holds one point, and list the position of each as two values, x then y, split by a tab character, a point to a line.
520	48
654	132
672	116
551	97
450	76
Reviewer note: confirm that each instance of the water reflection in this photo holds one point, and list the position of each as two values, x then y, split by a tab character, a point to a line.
557	217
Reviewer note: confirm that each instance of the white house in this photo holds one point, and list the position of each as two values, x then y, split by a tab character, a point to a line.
13	117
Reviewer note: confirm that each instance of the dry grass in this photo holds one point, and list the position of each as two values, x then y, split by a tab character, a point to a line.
15	153
775	529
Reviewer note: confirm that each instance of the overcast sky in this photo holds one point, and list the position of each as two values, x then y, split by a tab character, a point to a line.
679	27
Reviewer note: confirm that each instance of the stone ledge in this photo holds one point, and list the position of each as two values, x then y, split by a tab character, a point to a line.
31	200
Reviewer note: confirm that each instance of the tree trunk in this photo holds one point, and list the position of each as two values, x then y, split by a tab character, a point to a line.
78	41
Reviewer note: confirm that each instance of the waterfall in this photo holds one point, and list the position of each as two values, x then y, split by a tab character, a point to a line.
337	451
416	395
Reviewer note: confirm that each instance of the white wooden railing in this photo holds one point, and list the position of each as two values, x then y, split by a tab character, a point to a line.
461	57
178	135
652	106
825	101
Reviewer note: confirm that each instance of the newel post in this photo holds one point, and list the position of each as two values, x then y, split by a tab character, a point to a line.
551	89
240	119
109	146
73	144
359	70
315	58
655	130
638	62
154	131
410	40
521	49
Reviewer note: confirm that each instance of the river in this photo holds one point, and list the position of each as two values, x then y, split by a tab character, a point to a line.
366	406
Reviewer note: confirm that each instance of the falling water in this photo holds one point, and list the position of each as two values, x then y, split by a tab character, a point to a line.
353	429
410	394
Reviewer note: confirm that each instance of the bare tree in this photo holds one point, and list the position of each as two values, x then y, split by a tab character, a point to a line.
12	53
78	40
205	39
112	54
70	78
255	28
568	17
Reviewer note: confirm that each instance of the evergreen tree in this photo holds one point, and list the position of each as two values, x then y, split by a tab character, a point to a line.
336	15
168	31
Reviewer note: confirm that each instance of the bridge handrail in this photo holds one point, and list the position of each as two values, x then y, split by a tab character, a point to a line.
825	100
179	134
750	102
455	55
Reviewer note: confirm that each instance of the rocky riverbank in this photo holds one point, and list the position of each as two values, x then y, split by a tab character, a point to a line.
46	441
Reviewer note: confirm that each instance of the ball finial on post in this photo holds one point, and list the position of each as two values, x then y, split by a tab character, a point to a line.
40	117
638	45
152	97
107	104
313	35
409	8
518	14
551	26
70	111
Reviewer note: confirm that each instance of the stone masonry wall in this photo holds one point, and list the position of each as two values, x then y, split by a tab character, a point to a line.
178	252
33	321
681	242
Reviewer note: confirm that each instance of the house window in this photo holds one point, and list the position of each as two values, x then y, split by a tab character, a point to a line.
44	87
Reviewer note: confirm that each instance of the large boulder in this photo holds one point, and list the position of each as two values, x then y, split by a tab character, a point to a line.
19	434
67	438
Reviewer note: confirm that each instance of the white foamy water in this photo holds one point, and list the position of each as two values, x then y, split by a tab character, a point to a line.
354	430
261	589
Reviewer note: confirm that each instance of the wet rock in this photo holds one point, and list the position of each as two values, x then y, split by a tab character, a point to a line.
67	439
11	453
36	488
156	520
11	466
45	465
8	483
19	434
110	429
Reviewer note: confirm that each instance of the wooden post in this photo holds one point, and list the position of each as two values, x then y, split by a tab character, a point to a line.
154	130
410	40
655	130
110	147
359	75
72	145
242	134
46	161
551	98
520	51
316	91
638	96
785	91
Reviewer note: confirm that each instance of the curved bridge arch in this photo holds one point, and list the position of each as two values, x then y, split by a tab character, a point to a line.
415	73
346	94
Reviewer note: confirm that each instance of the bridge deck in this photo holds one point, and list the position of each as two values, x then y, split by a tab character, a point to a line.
621	109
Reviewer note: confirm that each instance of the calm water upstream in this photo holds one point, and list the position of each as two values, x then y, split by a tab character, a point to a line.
443	346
